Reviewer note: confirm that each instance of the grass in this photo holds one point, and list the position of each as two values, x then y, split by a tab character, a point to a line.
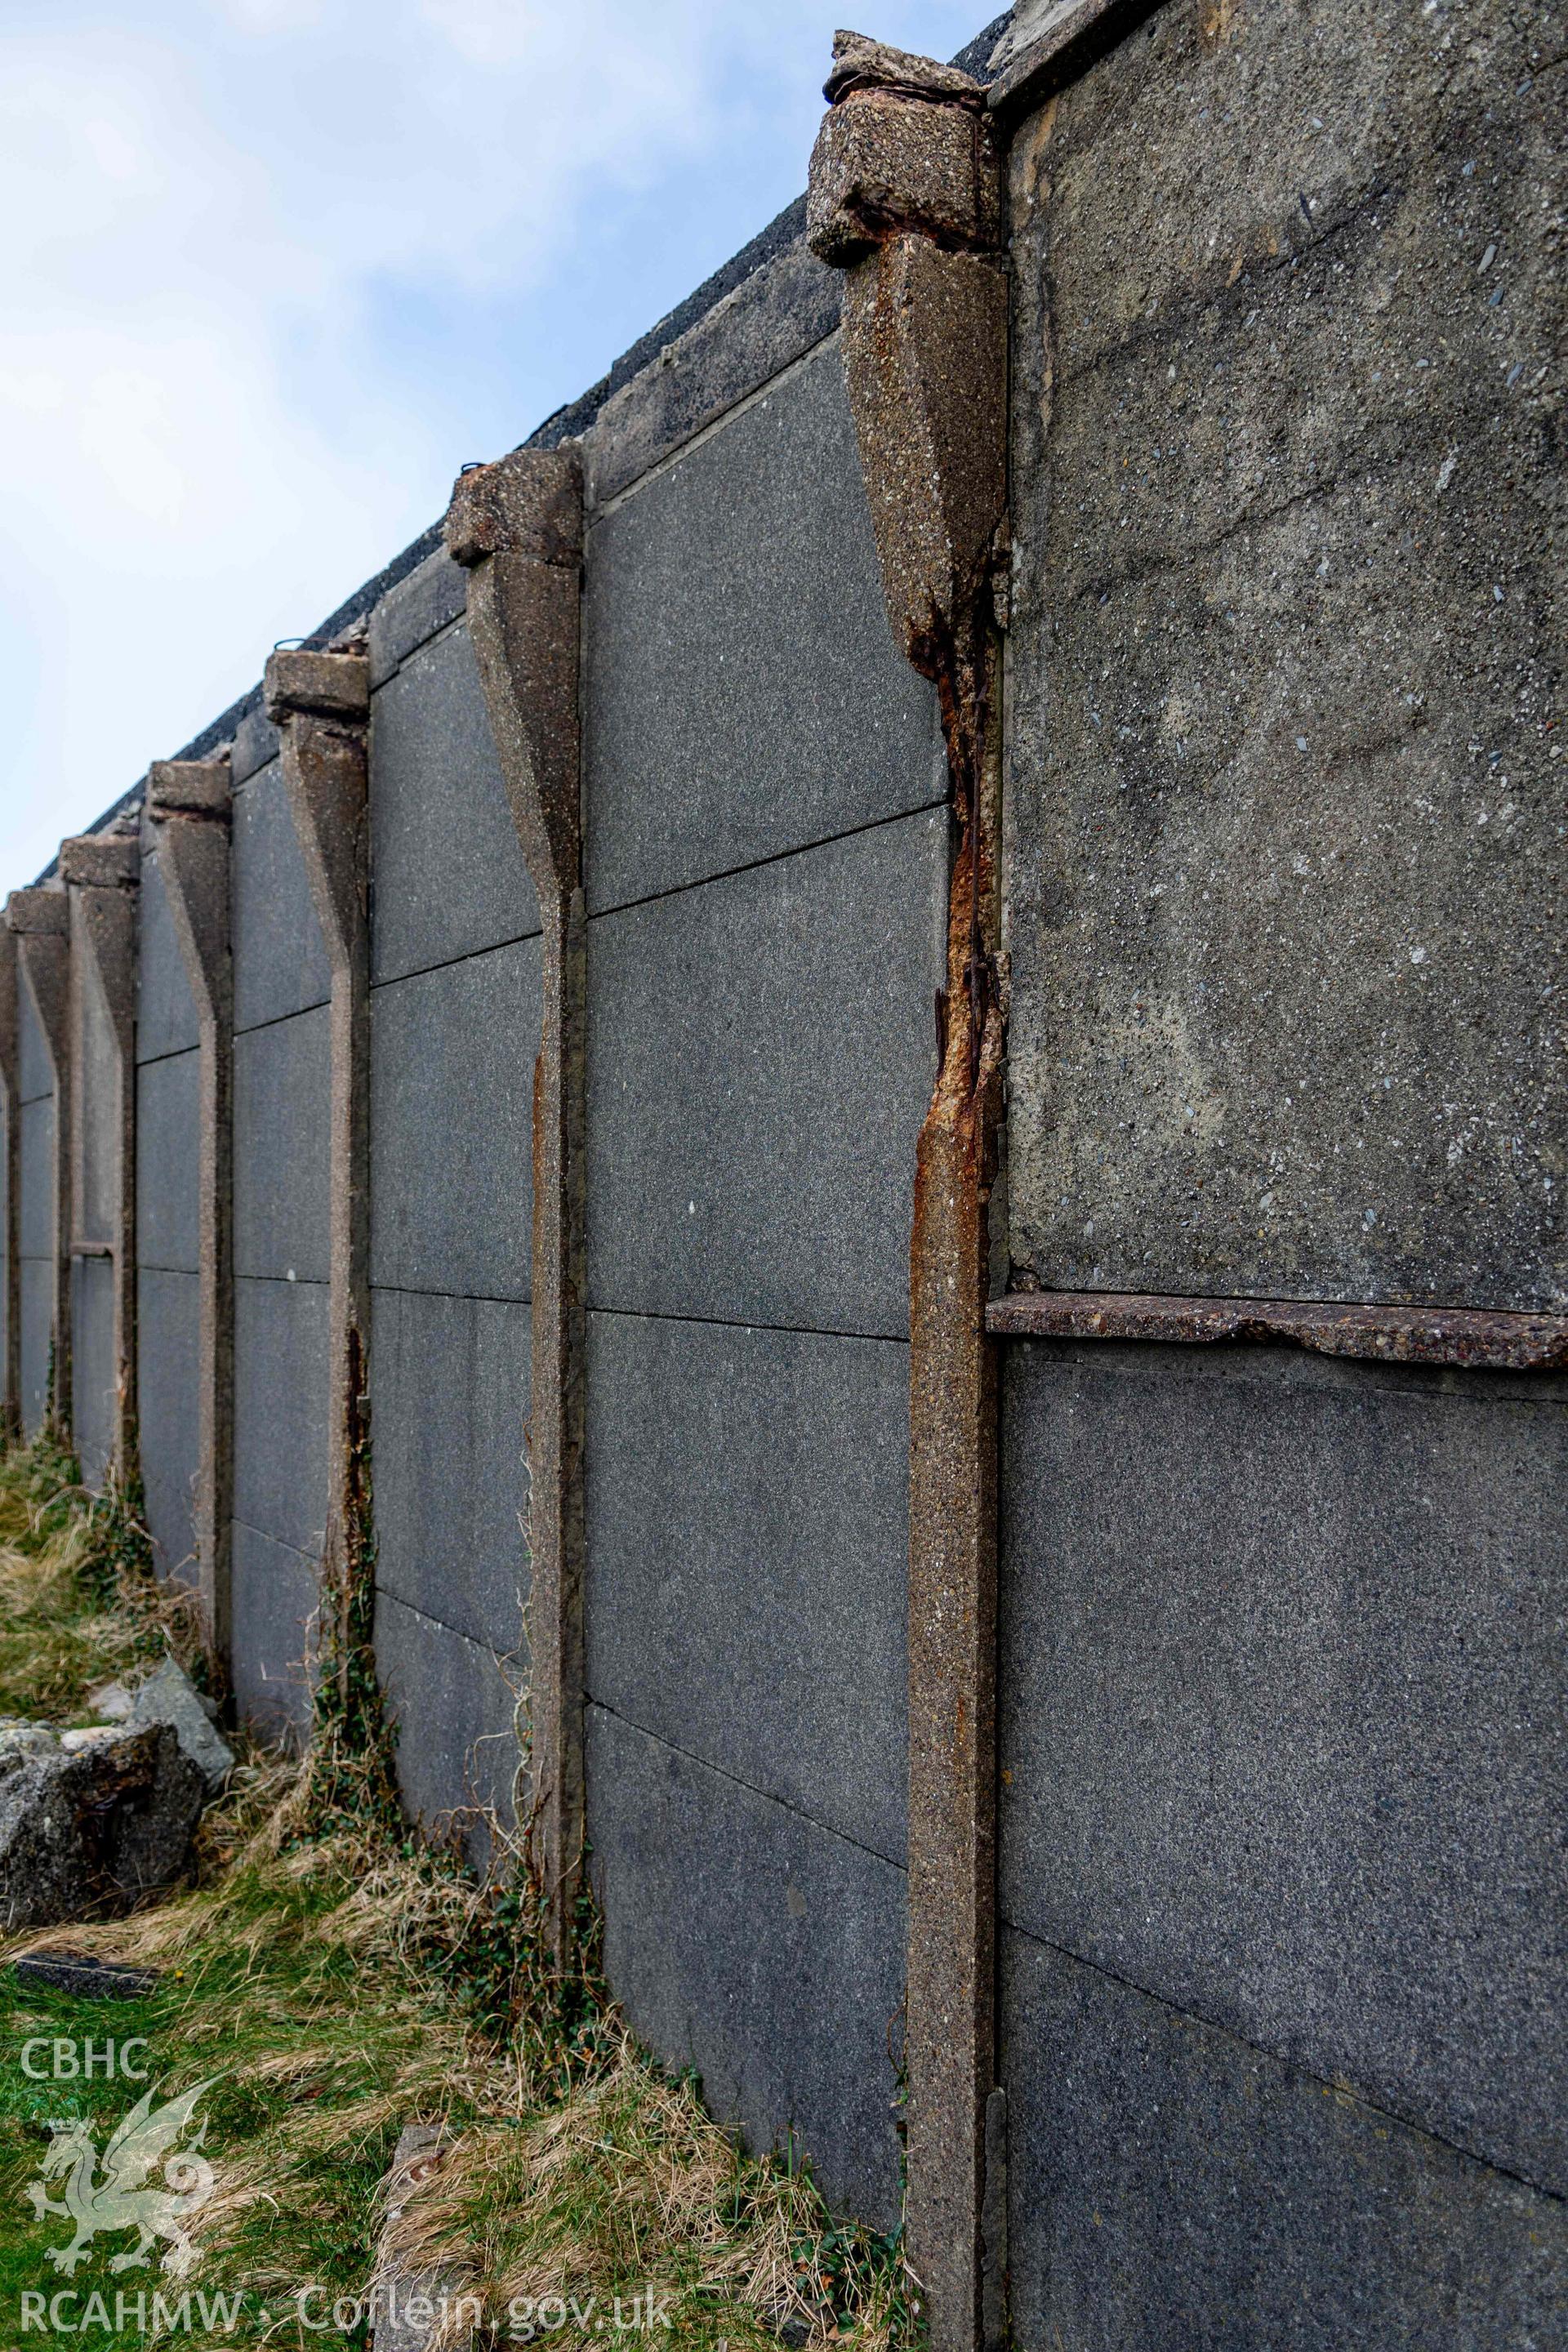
336	1980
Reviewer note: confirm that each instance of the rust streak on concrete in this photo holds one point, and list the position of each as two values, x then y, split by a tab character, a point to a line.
517	526
188	806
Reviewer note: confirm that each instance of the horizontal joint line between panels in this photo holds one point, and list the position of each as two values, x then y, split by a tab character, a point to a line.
774	857
750	1323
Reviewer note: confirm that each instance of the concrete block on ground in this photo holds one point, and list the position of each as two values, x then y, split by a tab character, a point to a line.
168	1356
38	1312
746	570
427	600
746	1558
449	1391
168	1162
452	1056
165	1008
1172	2188
280	1408
94	1370
761	1053
454	1712
275	1592
280	960
35	1212
448	868
282	1098
1279	1661
765	1951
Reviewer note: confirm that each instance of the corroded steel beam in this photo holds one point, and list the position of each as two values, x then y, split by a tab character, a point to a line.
517	526
906	196
188	806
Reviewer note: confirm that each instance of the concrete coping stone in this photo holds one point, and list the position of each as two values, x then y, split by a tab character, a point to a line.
41	910
189	787
98	860
327	685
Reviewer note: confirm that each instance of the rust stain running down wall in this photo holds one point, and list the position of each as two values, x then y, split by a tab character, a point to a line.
905	196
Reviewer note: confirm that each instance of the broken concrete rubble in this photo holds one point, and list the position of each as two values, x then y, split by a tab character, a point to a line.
169	1696
95	1828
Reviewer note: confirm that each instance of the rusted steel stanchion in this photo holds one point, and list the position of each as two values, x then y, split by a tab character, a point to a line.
518	526
906	198
189	807
320	703
40	920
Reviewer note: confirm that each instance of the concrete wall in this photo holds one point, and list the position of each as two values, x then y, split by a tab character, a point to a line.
454	1013
1279	1901
1280	1886
281	1096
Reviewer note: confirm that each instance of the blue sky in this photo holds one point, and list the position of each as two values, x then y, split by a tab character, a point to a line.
273	269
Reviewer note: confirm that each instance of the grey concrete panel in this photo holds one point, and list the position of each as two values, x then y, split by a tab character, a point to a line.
282	1104
449	1391
168	1404
280	960
746	573
761	1053
448	870
764	1950
94	1372
453	1707
770	318
36	1071
1173	2191
430	597
1282	1663
36	1216
168	1170
255	744
99	1138
37	1313
275	1593
165	1008
281	1411
747	1543
452	1056
1286	872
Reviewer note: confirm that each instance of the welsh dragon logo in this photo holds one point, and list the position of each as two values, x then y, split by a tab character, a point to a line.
121	2198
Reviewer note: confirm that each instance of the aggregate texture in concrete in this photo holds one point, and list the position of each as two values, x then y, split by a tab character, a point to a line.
279	960
1286	871
281	1411
454	1702
93	1367
168	1386
273	1600
166	1019
168	1147
282	1086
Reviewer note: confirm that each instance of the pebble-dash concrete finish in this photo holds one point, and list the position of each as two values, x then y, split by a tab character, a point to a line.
1285	898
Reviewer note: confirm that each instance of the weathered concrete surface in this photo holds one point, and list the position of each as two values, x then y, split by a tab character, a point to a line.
453	1707
451	1142
706	1884
1281	1657
1286	892
274	1601
168	1696
168	1339
282	1089
101	1826
746	1599
37	1288
280	960
450	1402
760	1058
427	600
1174	2190
165	1008
743	569
771	318
280	1372
168	1162
449	871
94	1366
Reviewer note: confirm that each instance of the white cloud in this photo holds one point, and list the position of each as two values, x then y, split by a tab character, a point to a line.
269	266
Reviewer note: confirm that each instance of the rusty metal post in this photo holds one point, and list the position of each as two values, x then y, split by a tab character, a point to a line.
518	526
11	1083
188	806
319	702
41	921
102	874
906	198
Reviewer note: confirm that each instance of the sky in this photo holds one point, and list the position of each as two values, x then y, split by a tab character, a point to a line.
272	270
